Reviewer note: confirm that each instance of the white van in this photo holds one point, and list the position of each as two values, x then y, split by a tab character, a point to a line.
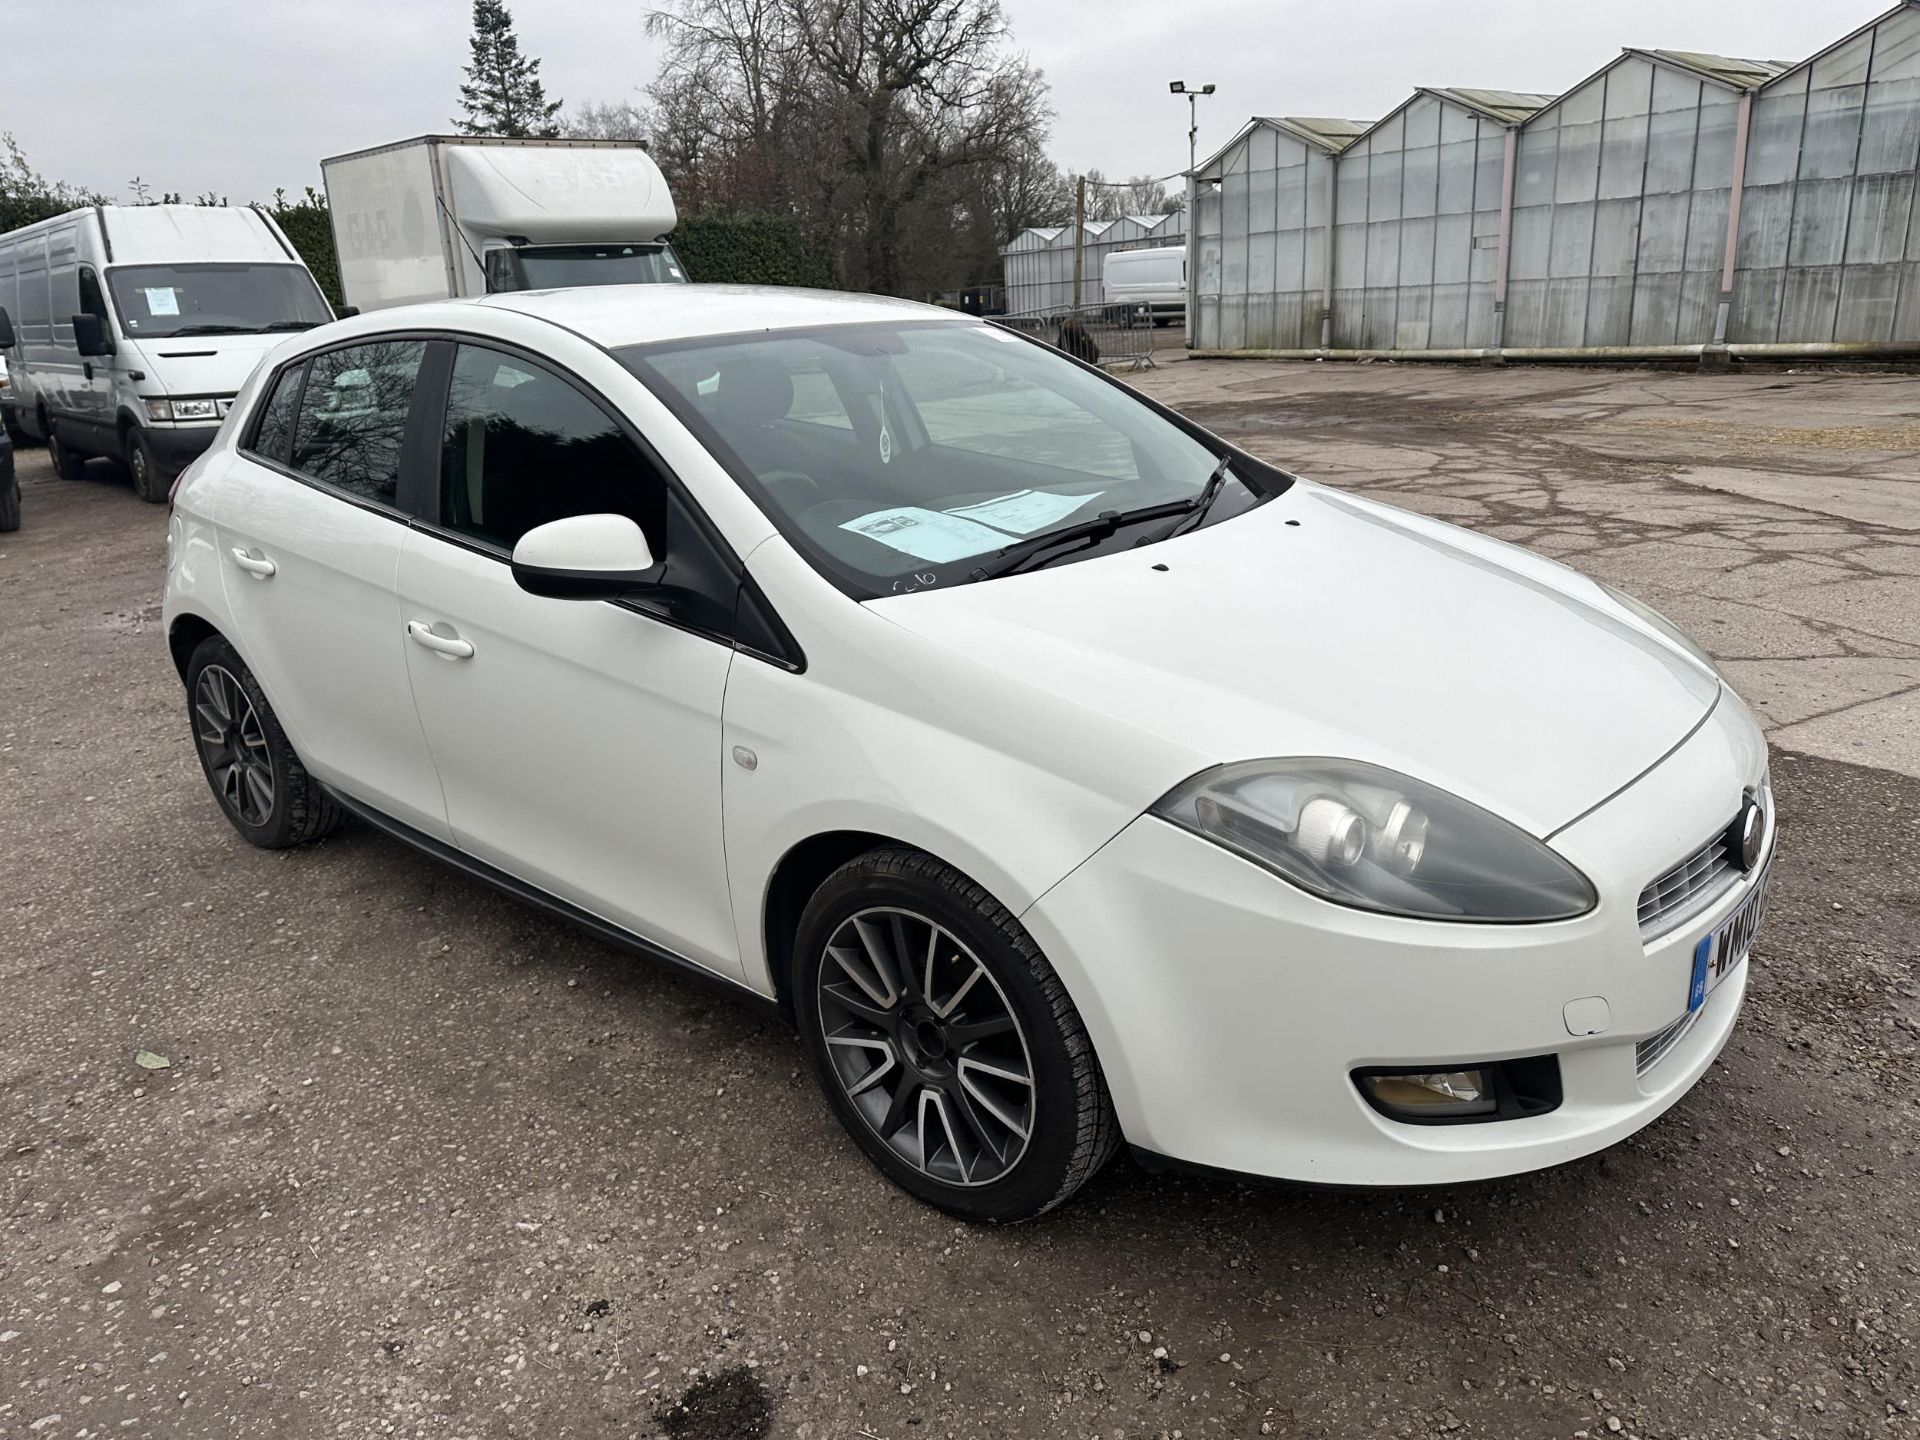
446	216
132	327
1145	287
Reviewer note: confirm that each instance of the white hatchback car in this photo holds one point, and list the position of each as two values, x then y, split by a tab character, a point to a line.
1064	772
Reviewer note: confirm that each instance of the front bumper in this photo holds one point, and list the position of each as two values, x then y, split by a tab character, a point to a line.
178	446
1229	1009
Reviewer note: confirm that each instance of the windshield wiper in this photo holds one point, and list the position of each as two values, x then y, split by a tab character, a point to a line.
1028	554
288	325
209	330
1210	492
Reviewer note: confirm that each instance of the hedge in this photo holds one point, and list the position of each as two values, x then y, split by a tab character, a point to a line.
722	247
310	229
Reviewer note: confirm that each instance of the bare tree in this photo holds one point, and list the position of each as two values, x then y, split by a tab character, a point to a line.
609	120
1138	195
877	123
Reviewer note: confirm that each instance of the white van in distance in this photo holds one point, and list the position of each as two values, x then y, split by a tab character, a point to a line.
448	216
1143	287
134	326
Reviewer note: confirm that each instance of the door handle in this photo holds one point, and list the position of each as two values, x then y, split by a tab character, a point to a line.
86	370
257	566
452	646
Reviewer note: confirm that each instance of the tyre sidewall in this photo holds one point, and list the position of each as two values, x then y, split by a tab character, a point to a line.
1040	1177
277	832
148	481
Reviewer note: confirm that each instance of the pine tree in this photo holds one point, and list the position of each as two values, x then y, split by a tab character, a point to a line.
503	94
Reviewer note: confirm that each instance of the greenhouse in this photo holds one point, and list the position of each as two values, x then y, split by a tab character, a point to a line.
1039	262
1671	204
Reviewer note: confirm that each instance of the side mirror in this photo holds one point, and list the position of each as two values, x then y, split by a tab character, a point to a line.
584	557
7	341
90	336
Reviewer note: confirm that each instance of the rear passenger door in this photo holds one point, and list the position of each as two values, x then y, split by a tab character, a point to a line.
311	521
577	742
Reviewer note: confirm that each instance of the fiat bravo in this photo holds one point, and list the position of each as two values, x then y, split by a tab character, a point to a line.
1068	776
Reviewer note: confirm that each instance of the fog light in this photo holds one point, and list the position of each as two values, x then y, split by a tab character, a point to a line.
1495	1090
1432	1092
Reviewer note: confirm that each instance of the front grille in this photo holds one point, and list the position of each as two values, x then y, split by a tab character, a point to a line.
1691	886
1652	1050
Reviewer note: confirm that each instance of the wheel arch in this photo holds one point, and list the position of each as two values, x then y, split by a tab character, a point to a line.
184	636
799	872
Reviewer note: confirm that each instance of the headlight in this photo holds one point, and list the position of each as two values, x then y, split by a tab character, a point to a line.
159	409
1360	835
1660	622
196	409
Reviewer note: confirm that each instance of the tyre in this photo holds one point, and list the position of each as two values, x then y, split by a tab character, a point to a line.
150	482
9	503
262	787
66	464
945	1042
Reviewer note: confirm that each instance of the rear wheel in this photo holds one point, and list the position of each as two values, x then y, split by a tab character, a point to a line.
66	464
149	480
945	1042
9	502
262	787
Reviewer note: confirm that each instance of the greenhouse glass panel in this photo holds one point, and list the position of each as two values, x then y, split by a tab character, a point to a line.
1877	231
1809	304
1456	176
1819	222
1383	185
1890	127
1623	157
1571	250
1656	303
1578	174
1869	296
1832	134
1773	148
1420	181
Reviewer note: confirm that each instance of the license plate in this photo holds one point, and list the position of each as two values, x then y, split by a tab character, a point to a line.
1721	951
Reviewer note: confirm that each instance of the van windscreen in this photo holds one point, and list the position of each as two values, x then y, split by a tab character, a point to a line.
156	301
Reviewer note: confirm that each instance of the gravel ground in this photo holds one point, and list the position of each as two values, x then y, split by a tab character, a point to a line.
422	1162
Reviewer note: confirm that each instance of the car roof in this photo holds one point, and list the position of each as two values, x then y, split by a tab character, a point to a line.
615	315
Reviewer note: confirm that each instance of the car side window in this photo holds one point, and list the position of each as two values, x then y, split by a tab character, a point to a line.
523	447
275	430
353	416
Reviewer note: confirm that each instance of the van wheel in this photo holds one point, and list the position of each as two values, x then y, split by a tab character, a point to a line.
149	480
10	505
66	464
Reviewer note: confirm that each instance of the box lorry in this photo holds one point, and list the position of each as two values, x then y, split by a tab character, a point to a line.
129	328
445	216
1145	287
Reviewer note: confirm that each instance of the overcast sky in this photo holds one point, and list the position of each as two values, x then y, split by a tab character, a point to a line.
240	96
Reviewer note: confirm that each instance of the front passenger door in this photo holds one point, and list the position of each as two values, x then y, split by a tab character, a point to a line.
577	742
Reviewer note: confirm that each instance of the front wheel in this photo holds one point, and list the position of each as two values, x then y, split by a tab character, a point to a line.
945	1042
149	481
263	789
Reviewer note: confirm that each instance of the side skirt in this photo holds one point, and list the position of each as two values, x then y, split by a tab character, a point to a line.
540	899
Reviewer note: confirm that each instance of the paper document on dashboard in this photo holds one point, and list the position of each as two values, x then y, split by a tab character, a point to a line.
927	534
1024	511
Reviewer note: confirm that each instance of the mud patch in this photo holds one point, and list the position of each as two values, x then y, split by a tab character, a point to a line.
732	1405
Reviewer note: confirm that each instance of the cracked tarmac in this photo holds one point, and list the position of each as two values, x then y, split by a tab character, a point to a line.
427	1163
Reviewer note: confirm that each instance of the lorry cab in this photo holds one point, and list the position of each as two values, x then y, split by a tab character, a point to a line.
134	326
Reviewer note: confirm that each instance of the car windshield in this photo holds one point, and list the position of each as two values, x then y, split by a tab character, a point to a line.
155	301
901	457
552	267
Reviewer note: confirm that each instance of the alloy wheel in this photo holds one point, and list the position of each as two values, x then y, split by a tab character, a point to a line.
234	745
926	1047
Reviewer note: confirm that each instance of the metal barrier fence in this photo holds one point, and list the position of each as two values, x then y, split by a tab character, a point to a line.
1098	334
